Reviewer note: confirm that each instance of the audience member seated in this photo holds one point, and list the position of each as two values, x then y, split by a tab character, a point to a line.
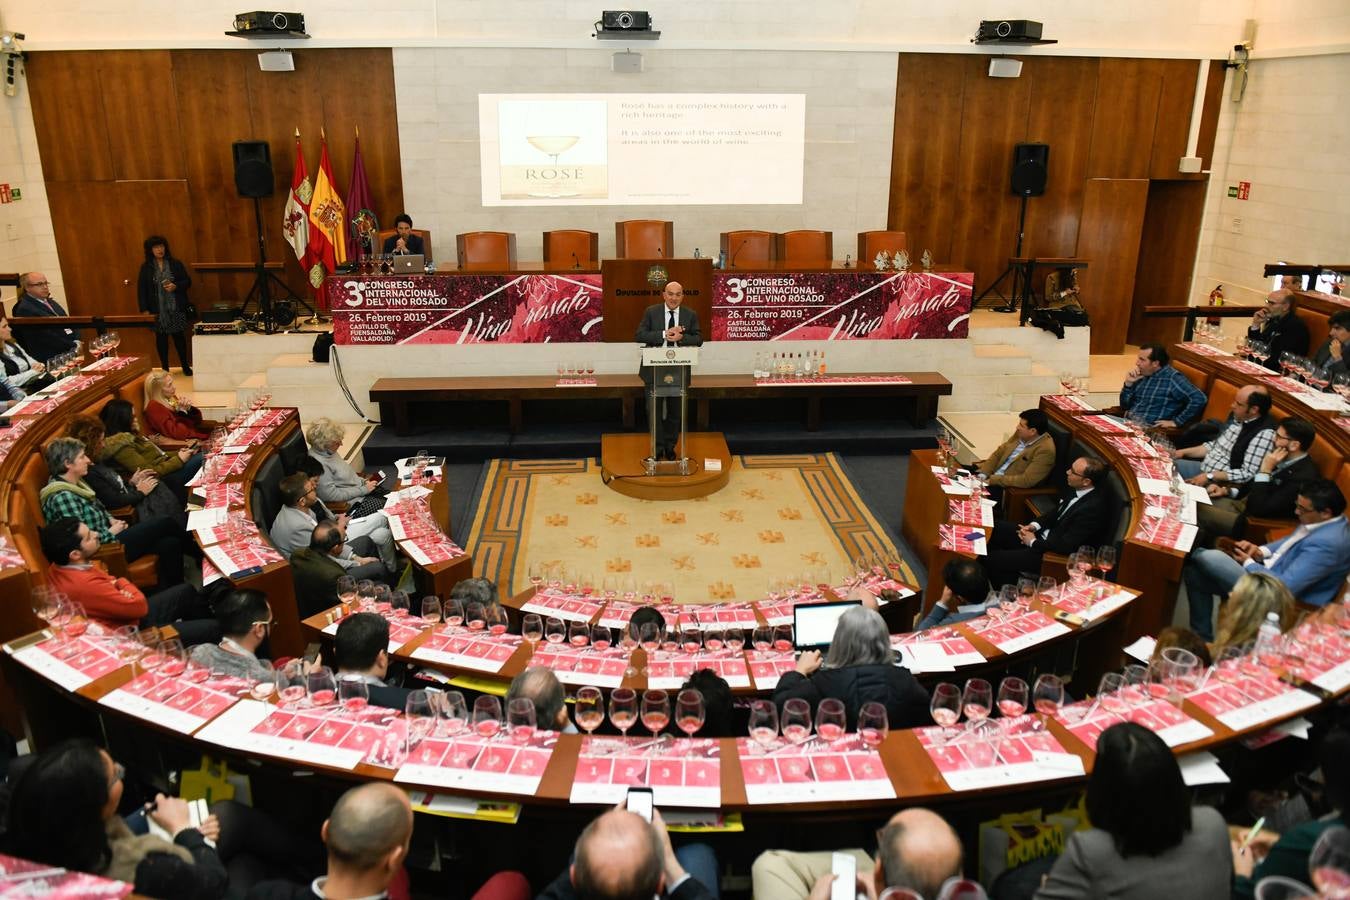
860	668
143	491
315	570
1255	596
1273	489
21	370
1311	562
63	812
245	619
127	451
374	526
170	415
1278	328
539	685
70	545
35	299
68	494
362	648
1080	518
1024	459
1185	639
718	705
9	393
1157	393
293	529
917	851
620	855
1331	355
965	594
339	483
1146	840
475	590
1288	855
1234	457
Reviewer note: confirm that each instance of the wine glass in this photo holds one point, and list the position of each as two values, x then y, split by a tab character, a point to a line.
689	712
1329	862
532	628
1110	693
346	590
1012	697
173	656
399	603
452	713
763	724
977	699
420	711
590	709
1106	560
735	639
1182	669
1047	696
453	612
830	719
601	637
623	709
431	609
1046	588
762	638
290	685
475	616
321	686
782	638
520	720
487	716
353	693
873	724
796	720
555	630
655	711
945	706
691	640
497	620
578	634
714	639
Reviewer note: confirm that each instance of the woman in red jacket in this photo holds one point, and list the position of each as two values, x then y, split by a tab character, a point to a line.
168	414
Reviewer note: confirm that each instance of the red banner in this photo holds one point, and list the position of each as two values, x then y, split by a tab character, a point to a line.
466	309
856	305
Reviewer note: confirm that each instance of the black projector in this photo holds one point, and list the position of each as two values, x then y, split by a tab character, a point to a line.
625	20
1008	30
263	22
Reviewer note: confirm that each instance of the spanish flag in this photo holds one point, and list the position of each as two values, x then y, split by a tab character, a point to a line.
327	220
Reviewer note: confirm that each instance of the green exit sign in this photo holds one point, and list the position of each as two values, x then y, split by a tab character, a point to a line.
1233	191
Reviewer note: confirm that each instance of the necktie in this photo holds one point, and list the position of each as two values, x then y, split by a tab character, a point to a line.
671	323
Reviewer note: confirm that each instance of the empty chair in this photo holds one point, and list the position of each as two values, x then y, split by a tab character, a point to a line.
571	248
387	233
749	249
644	239
806	247
491	249
870	243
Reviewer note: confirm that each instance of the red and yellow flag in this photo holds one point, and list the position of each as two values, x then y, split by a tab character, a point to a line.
327	220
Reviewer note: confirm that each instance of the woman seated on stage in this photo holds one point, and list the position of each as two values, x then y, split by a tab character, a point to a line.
1254	595
860	668
126	450
169	414
21	369
339	483
1146	840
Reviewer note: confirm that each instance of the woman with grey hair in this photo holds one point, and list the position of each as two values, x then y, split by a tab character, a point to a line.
859	669
339	483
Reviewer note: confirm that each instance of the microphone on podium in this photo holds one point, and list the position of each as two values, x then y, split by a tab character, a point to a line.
659	254
848	260
576	263
732	263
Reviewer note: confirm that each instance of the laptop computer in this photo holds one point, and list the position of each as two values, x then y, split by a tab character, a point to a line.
410	264
813	624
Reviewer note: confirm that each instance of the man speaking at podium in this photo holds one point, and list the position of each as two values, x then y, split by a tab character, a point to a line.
668	324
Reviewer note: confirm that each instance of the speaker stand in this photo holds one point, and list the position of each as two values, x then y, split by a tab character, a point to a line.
1020	272
263	281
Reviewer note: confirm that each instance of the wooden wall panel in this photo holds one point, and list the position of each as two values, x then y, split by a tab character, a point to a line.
68	114
1167	249
1063	91
1124	117
144	138
1209	120
1109	235
984	233
926	146
1176	100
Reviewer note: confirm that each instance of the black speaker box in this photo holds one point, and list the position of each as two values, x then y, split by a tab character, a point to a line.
625	20
253	169
1030	169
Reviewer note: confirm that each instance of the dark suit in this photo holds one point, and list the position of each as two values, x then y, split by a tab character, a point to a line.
1334	366
413	242
42	341
1273	499
651	333
1083	523
1285	333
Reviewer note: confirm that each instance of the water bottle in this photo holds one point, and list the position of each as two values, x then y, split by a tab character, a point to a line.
1267	636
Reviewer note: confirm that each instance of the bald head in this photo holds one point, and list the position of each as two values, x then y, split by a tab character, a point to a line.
673	294
618	858
540	685
917	850
34	283
367	825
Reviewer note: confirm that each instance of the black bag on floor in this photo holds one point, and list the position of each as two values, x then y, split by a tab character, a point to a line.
322	345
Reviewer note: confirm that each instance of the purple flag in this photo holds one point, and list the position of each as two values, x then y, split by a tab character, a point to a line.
362	226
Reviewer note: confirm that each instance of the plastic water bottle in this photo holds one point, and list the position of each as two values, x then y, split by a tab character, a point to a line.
1267	636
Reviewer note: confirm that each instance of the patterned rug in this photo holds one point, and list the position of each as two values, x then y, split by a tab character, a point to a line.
778	516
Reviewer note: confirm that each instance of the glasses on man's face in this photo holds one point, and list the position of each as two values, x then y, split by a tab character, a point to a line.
1302	508
119	772
37	284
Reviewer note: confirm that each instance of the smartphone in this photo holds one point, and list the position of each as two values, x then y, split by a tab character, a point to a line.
640	801
844	866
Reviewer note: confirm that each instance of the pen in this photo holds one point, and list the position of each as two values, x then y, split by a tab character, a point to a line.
1242	850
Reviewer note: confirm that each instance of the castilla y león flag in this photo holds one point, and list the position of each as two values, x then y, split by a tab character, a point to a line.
295	218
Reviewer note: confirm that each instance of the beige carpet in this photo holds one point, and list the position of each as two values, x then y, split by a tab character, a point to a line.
778	517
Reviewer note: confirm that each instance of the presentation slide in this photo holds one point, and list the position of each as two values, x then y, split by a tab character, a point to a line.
650	149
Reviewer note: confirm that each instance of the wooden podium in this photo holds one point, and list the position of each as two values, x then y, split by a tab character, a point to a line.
632	285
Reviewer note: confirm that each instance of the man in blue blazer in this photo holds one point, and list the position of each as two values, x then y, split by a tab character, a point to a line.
1311	561
668	324
35	299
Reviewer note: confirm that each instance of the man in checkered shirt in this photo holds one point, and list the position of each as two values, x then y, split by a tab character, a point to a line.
1235	456
1157	393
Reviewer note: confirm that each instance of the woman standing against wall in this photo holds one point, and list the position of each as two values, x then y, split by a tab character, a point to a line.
161	290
